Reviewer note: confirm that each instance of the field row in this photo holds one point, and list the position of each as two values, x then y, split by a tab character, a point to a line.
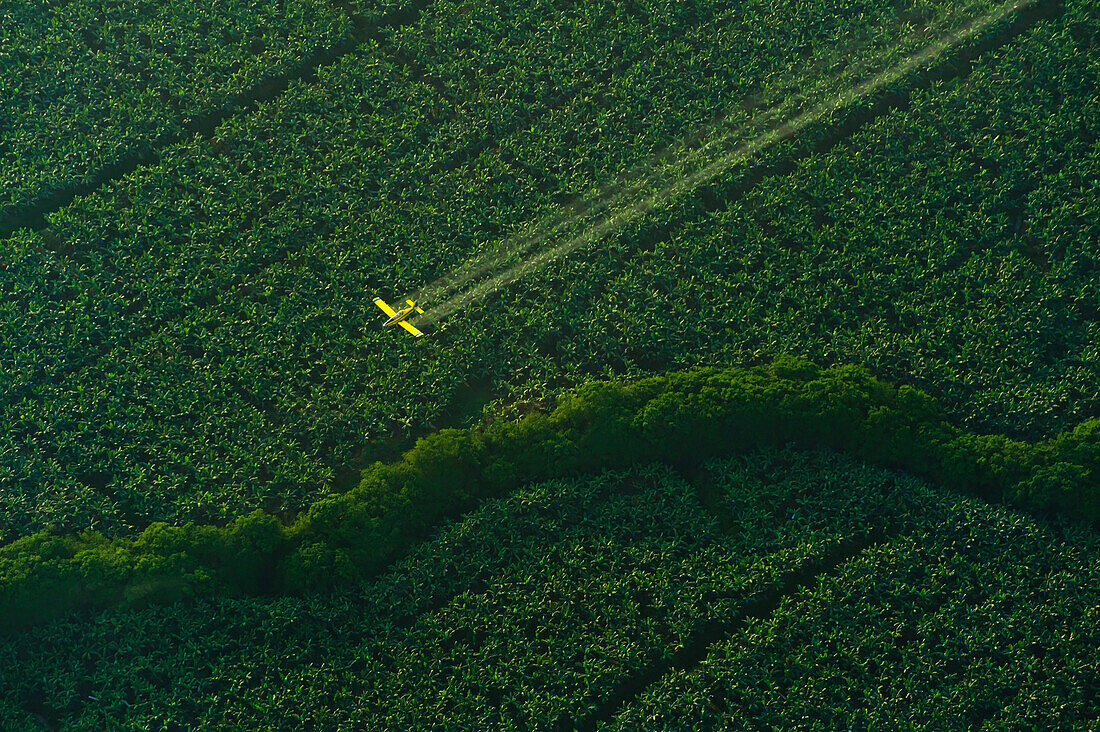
84	85
909	247
980	618
370	135
240	271
533	610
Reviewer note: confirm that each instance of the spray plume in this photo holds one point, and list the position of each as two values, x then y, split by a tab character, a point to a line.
673	173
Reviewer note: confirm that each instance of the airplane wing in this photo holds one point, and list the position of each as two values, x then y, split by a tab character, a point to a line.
405	324
385	308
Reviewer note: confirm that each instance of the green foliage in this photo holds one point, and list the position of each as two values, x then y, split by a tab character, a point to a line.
253	544
1068	488
447	470
960	618
132	73
187	342
234	285
683	417
544	605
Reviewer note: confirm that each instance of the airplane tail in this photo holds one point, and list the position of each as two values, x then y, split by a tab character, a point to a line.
416	307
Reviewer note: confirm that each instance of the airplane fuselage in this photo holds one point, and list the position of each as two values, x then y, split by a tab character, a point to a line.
400	315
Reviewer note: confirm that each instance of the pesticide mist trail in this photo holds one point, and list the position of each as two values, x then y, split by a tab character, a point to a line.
668	164
677	173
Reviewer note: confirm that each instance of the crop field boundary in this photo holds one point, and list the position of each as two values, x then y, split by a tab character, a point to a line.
833	132
833	120
33	214
447	474
710	632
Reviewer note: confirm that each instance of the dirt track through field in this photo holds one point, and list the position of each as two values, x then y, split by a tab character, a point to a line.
33	214
715	630
603	214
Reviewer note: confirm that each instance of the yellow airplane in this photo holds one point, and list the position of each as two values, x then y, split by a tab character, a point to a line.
399	317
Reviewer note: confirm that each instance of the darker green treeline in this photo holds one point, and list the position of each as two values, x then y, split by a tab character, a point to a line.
682	417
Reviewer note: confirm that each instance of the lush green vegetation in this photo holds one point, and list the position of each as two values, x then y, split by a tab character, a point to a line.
683	417
973	279
542	608
979	618
207	345
199	203
87	83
